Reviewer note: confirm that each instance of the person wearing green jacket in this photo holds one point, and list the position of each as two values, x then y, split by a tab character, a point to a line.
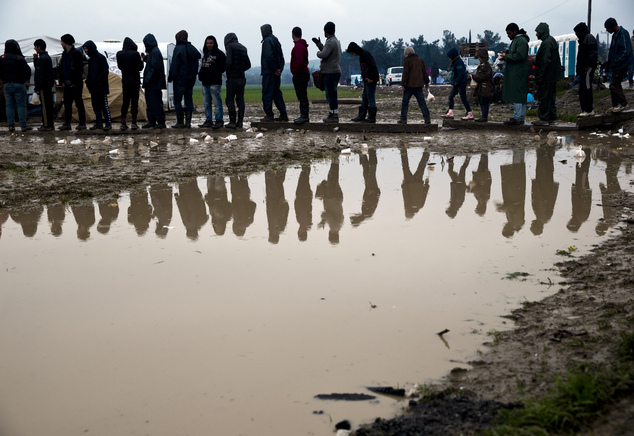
547	73
516	73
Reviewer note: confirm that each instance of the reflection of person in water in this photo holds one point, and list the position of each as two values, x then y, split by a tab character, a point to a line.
414	189
243	207
513	179
140	211
85	217
276	204
610	214
56	213
581	195
218	203
304	203
192	208
28	219
330	192
161	197
480	185
544	189
372	192
109	211
4	216
457	187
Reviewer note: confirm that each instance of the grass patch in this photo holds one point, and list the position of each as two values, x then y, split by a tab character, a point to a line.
253	94
516	275
9	166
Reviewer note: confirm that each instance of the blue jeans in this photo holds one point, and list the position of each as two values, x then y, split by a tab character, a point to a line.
271	93
369	93
330	84
211	94
420	98
519	111
15	96
462	89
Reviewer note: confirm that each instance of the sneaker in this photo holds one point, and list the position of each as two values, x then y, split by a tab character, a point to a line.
26	128
468	117
80	127
64	127
266	119
617	108
218	124
107	127
449	114
206	124
281	119
97	126
123	126
540	123
160	126
583	115
553	122
148	125
513	122
481	120
134	125
45	129
402	121
231	126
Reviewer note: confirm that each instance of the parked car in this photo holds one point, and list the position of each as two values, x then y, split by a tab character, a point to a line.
394	76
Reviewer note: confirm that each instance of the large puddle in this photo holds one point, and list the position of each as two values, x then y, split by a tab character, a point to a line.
224	305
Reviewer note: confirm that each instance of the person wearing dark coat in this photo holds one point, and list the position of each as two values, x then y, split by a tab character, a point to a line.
14	73
272	65
515	88
72	70
435	71
587	58
153	83
370	78
414	79
130	63
183	72
211	68
547	73
483	76
237	63
619	60
97	84
301	75
458	84
44	81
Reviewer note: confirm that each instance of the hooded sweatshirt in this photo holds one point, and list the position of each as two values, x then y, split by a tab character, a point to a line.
154	72
72	67
366	62
13	67
272	58
299	57
588	49
547	60
237	57
184	67
97	78
213	64
130	63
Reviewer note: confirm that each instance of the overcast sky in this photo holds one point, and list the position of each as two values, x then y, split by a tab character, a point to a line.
355	20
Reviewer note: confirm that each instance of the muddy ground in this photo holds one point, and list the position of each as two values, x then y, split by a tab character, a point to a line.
594	298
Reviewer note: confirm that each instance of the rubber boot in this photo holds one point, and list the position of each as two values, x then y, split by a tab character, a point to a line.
188	120
427	120
371	116
179	121
361	116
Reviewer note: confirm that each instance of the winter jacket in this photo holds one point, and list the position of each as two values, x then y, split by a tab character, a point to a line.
72	67
366	62
620	56
299	57
414	72
237	57
13	67
213	64
515	87
97	78
458	68
154	72
587	56
184	67
330	55
483	76
547	60
272	58
130	63
44	75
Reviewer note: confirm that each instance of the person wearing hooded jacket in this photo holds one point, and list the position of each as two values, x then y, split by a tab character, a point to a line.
301	75
330	68
183	72
14	73
72	70
237	63
44	79
370	78
272	65
619	60
515	88
153	83
212	66
587	58
547	73
97	84
130	63
458	84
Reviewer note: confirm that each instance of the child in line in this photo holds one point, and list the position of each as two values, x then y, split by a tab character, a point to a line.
459	82
483	76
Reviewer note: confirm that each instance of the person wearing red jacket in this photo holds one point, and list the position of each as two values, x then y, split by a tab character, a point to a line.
301	75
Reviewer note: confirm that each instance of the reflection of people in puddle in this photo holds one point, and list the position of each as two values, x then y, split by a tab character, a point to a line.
192	207
276	204
243	207
414	189
85	217
544	189
162	204
330	192
610	214
56	214
480	185
28	219
304	203
4	216
372	192
109	211
457	187
219	205
140	212
581	195
513	179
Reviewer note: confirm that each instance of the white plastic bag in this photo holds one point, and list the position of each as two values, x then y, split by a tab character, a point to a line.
35	99
430	97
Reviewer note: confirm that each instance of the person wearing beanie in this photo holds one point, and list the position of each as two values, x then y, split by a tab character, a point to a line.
237	63
153	83
301	75
183	72
97	84
370	78
515	88
130	63
72	70
14	73
330	55
414	79
619	60
44	79
483	76
458	84
272	65
547	73
587	58
212	66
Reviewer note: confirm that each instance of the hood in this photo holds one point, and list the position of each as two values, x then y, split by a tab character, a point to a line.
581	30
353	47
12	47
181	36
128	44
229	38
91	47
302	42
213	38
150	42
453	54
543	30
266	30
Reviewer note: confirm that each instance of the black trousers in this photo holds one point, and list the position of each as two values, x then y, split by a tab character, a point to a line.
585	91
154	104
300	82
616	88
130	99
100	107
73	94
46	97
235	95
547	95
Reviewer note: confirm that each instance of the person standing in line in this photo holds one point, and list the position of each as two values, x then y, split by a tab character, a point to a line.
272	65
458	84
153	83
44	82
237	63
97	84
631	71
183	72
619	60
483	76
515	88
370	78
14	73
301	75
587	58
414	79
130	63
330	55
212	66
72	67
435	71
547	73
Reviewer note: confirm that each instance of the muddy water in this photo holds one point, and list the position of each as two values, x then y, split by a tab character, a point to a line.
224	305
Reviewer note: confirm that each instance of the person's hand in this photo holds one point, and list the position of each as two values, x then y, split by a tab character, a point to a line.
34	56
317	41
278	72
427	87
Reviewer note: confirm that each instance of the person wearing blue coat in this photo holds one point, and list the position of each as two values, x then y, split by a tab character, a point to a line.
153	83
459	82
183	72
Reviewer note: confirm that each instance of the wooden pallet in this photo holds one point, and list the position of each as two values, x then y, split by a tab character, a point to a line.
605	121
